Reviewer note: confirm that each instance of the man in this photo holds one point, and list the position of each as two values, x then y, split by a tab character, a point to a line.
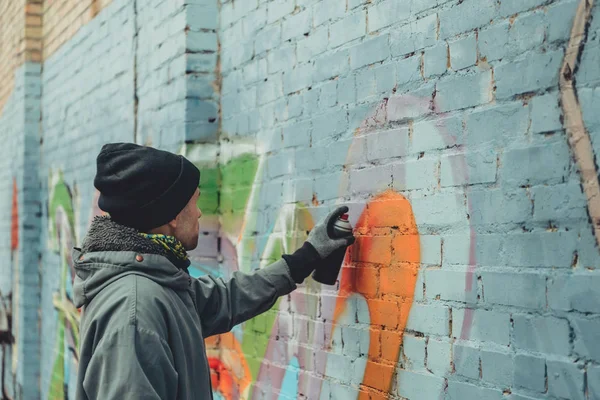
145	319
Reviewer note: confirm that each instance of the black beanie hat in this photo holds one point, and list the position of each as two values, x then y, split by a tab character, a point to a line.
143	187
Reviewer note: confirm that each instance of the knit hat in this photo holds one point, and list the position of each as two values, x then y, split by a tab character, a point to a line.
143	187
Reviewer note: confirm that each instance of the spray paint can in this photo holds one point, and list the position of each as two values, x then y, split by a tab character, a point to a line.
328	272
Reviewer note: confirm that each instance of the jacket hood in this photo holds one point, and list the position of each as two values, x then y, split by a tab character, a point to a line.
111	251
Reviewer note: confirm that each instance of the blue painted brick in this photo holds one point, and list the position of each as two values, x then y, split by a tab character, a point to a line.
479	168
414	36
497	125
574	292
485	326
431	251
466	359
516	206
254	21
412	385
418	6
369	180
463	52
366	85
416	174
409	73
386	13
294	106
560	20
466	16
203	16
587	333
413	352
531	333
511	7
429	319
370	51
270	90
326	187
351	27
310	102
313	45
536	72
326	10
530	372
541	249
328	125
461	391
278	9
331	65
545	113
388	144
493	41
440	209
449	285
593	381
297	134
267	39
385	75
514	289
298	78
437	134
457	92
297	24
346	90
328	95
201	62
280	164
281	59
435	60
536	165
497	367
565	380
564	201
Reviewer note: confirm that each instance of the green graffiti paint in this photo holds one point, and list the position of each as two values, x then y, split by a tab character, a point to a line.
208	201
237	178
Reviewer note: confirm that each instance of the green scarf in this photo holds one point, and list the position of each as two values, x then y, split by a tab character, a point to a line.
170	243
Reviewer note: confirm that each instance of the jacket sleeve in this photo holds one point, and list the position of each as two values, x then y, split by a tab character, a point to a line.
131	363
222	305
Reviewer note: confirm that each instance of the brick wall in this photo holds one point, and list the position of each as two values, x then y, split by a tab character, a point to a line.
442	124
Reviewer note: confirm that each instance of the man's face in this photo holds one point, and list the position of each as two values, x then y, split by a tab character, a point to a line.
187	225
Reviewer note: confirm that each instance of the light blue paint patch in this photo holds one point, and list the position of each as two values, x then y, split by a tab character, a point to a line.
196	271
289	385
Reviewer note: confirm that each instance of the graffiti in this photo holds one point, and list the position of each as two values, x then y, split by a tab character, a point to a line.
62	239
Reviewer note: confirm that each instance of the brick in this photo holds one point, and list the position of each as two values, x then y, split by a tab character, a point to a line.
310	102
382	145
565	201
328	95
254	21
418	6
409	73
298	78
497	367
565	380
481	325
587	333
510	7
385	75
516	207
331	65
346	91
414	175
326	187
493	41
412	385
297	134
457	92
530	372
435	60
463	52
497	125
366	85
514	289
547	164
370	51
531	333
313	45
370	179
277	9
466	360
440	209
449	285
461	390
297	25
473	168
429	319
270	90
386	13
414	36
560	20
588	73
280	164
536	72
545	113
466	16
431	249
574	292
310	159
351	27
439	356
328	125
327	10
281	59
413	352
436	134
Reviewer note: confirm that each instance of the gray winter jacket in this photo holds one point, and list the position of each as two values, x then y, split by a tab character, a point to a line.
145	319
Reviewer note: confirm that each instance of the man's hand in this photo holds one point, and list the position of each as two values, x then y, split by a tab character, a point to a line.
322	236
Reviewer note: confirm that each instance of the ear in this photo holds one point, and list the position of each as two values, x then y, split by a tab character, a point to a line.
173	223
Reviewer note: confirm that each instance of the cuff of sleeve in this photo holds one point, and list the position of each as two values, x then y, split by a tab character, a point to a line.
279	273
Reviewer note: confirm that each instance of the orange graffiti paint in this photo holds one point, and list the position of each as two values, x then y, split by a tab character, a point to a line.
230	373
382	267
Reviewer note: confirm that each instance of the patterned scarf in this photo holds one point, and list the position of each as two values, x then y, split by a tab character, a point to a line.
170	243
